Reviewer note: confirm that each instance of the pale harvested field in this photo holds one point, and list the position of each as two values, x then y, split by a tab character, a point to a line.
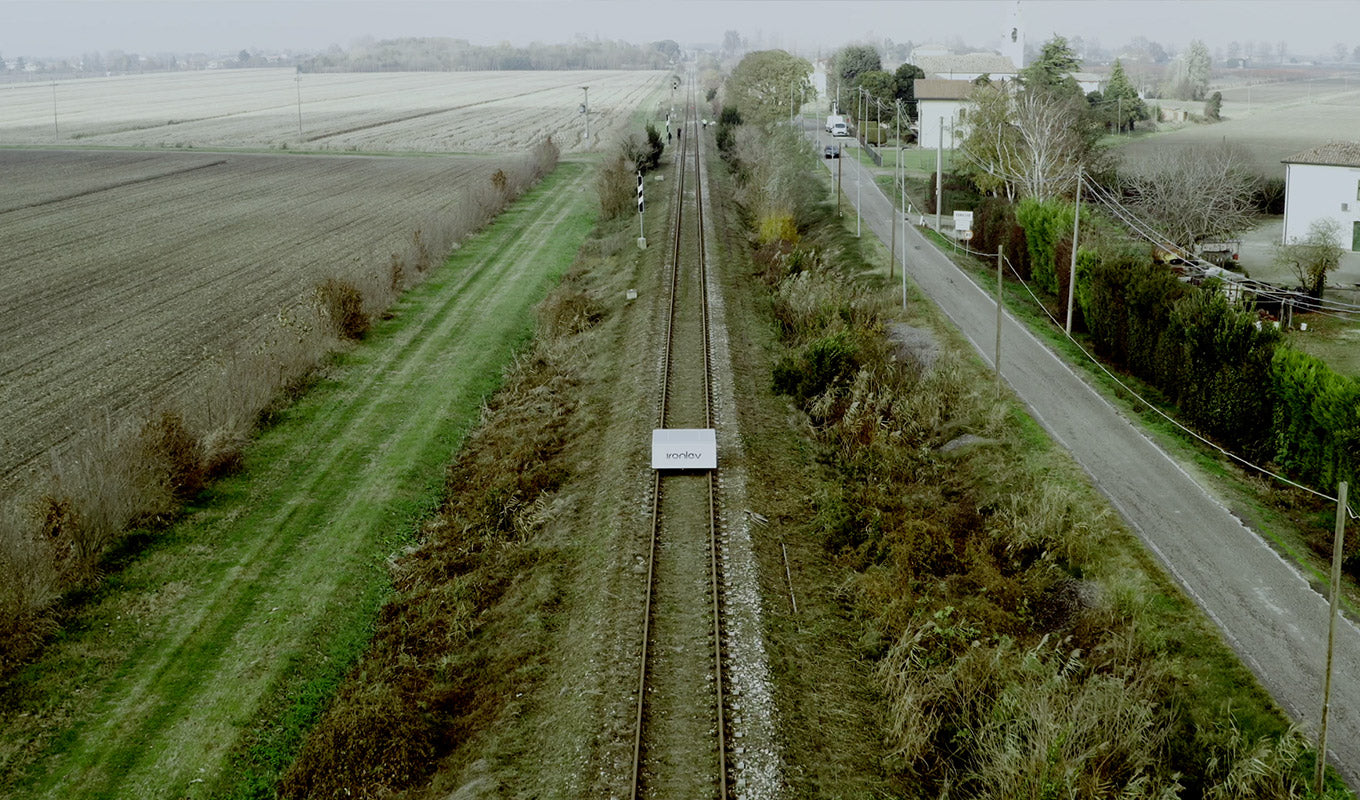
123	275
1273	121
368	112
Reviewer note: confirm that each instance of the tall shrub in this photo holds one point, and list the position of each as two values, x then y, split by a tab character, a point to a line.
1224	366
1316	427
995	226
1151	292
1045	224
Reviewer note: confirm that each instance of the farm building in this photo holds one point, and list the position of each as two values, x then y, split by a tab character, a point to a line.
1323	183
942	100
1089	81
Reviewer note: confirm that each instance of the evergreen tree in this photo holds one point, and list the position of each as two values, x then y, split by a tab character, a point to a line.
1052	71
906	77
1213	107
1121	101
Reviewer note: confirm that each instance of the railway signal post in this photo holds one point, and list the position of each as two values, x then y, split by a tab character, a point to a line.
642	235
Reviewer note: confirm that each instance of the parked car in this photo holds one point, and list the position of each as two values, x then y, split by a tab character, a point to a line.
833	151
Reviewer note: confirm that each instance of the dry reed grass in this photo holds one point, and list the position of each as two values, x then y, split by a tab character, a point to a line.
1013	659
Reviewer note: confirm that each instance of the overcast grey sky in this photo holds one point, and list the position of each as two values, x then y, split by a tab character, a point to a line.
44	28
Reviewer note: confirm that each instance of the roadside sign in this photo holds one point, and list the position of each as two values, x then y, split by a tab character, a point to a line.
684	448
963	221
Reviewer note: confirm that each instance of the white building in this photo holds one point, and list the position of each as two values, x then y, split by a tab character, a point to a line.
967	66
1323	183
942	104
1089	81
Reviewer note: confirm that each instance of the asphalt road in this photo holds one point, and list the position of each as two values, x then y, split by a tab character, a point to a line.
1263	605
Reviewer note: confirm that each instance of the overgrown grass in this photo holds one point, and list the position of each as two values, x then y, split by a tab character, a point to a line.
1026	645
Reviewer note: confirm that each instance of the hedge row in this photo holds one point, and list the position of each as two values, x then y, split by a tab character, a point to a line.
1315	429
1231	378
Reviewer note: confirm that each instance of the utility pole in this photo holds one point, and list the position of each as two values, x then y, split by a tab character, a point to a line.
1335	593
56	134
840	159
904	237
1072	277
996	360
859	167
939	177
892	249
902	182
297	79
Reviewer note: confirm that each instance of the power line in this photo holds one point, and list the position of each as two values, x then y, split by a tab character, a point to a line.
1090	357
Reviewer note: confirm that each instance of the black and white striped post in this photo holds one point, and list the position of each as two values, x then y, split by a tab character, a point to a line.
642	236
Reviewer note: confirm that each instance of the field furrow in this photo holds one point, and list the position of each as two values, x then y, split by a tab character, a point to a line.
116	300
260	108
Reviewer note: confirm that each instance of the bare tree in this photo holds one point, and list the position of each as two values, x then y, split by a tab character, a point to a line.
1051	145
1195	194
1027	144
1311	258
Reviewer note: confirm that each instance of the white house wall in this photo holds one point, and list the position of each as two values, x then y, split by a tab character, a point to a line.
1315	192
929	113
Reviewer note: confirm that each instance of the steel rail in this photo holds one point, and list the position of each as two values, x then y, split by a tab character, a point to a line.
686	146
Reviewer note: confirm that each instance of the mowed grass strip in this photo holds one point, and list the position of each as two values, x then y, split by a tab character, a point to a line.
265	587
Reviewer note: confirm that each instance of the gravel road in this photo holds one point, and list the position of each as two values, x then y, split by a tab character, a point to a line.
1264	606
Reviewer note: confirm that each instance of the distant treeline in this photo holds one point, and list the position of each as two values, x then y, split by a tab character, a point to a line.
442	54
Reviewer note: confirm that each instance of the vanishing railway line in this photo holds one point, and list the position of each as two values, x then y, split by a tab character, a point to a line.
680	750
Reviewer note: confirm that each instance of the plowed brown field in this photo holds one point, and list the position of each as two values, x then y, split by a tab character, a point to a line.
123	274
259	108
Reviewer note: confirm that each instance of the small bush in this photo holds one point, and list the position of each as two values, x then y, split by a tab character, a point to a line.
777	227
31	579
960	194
808	373
167	442
567	312
1268	197
616	187
343	306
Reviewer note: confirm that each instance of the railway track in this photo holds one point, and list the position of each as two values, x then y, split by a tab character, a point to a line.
682	733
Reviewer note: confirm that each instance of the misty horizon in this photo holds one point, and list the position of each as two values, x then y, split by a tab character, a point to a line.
67	30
